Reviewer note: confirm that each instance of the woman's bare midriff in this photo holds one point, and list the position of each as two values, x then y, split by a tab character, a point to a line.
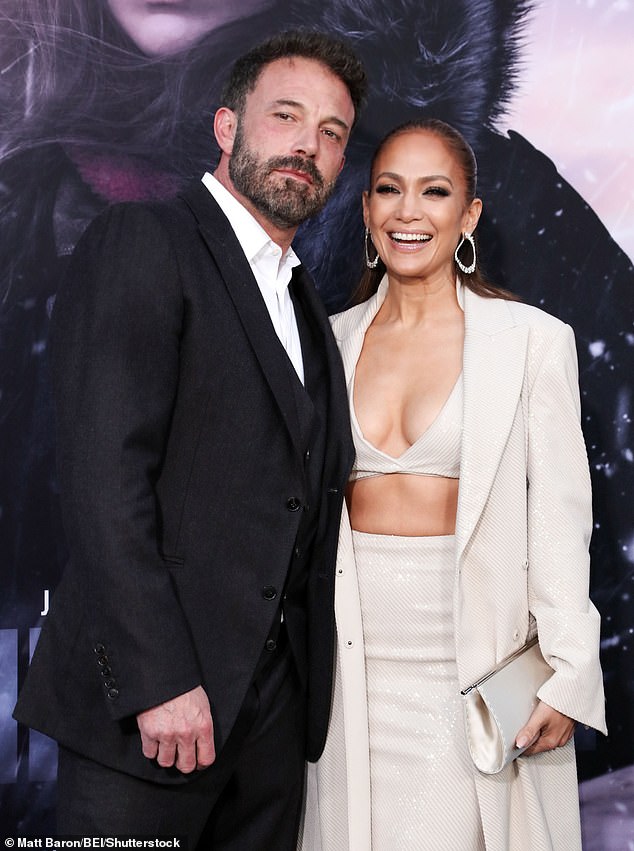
403	504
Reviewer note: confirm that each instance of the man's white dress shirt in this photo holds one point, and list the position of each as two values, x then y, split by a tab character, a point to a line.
271	269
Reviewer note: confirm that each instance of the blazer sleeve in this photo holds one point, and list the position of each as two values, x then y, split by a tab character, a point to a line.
115	360
559	530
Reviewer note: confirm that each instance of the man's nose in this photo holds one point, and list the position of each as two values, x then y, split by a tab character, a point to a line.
306	142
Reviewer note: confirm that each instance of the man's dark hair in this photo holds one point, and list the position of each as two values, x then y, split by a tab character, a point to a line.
331	52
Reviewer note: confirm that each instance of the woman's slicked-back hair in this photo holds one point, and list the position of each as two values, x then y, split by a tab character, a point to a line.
452	138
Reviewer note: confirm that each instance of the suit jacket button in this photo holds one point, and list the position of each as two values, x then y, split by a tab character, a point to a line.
106	672
271	644
102	661
99	649
109	683
269	592
293	504
113	693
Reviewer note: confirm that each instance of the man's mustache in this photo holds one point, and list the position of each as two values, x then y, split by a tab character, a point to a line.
297	163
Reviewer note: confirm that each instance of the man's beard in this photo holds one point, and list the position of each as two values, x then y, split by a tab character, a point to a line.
284	203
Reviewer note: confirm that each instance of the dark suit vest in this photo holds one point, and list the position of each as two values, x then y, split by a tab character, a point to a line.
311	401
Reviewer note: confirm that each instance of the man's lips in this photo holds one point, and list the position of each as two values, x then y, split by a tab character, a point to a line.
295	175
297	168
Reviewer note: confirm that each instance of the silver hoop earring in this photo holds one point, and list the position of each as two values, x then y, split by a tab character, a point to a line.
466	269
371	264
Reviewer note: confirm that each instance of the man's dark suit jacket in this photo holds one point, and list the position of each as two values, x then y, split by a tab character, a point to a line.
182	460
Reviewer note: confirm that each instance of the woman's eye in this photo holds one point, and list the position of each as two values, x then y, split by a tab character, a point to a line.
385	189
437	190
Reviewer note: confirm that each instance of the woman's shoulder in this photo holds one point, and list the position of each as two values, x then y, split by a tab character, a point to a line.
535	317
520	313
545	332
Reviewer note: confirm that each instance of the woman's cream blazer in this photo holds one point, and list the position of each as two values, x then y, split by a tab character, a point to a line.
522	533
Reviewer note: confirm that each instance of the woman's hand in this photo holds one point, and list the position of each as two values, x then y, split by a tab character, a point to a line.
546	730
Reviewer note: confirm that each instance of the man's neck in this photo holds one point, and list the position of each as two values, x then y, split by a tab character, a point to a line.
280	236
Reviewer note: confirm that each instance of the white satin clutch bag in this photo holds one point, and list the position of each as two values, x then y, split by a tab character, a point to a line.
500	703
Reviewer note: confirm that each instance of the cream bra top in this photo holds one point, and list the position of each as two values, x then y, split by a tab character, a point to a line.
435	453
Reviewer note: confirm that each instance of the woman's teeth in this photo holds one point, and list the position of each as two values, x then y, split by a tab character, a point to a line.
398	236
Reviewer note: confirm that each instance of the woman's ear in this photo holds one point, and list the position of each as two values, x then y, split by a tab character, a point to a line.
472	216
365	199
225	127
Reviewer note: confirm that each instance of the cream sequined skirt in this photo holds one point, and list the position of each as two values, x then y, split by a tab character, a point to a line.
423	791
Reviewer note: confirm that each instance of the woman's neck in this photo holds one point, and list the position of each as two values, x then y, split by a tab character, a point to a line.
410	302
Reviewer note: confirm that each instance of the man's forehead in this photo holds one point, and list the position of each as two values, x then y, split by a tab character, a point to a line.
298	79
300	72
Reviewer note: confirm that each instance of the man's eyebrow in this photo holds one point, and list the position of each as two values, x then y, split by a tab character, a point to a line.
297	105
338	121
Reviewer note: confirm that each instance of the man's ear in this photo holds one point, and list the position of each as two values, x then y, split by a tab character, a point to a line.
343	162
225	127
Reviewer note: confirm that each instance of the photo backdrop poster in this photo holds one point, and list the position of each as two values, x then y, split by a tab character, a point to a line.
113	100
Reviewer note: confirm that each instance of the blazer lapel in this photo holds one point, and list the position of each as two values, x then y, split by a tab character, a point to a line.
493	371
351	334
247	299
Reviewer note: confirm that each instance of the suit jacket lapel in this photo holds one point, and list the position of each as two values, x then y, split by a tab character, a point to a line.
352	335
339	451
493	371
247	299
